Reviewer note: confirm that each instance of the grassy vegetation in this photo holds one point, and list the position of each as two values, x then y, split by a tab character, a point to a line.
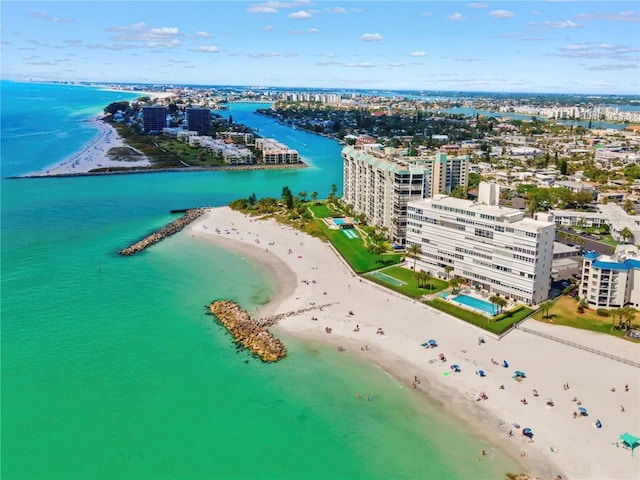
411	288
564	312
481	321
353	250
608	239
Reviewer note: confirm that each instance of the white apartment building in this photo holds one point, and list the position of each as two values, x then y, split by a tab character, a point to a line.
276	152
494	247
612	281
380	185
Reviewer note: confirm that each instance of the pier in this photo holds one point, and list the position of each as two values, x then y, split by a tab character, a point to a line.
174	227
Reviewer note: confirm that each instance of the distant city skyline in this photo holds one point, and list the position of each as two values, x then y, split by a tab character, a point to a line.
550	46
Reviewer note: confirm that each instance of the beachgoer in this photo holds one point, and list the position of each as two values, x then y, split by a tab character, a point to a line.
511	433
613	389
483	452
626	387
621	409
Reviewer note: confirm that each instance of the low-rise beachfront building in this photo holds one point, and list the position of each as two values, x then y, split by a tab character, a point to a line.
231	154
274	152
496	248
380	184
611	281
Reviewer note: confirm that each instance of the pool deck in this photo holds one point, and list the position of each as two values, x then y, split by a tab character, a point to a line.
451	298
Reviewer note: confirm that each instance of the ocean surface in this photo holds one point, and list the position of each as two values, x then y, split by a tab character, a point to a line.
112	370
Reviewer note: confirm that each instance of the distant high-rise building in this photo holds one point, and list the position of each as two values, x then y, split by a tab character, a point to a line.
199	120
154	119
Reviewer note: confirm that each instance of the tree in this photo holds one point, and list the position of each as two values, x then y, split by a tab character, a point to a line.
287	197
582	197
501	302
459	192
629	207
302	196
626	234
116	107
420	277
455	283
376	249
448	269
494	299
545	307
314	196
414	251
629	315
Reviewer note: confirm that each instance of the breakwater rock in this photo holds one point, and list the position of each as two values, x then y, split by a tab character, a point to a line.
174	227
249	333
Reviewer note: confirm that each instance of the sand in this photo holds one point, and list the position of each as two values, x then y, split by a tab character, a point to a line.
313	273
94	154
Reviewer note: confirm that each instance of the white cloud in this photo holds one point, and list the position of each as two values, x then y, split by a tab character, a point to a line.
626	16
561	24
313	31
261	9
456	17
268	28
612	66
419	53
359	65
208	49
501	14
427	14
203	35
336	10
127	28
371	37
139	36
300	15
478	5
395	64
264	55
50	18
164	31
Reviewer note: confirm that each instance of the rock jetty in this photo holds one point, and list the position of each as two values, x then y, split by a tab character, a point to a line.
248	332
174	227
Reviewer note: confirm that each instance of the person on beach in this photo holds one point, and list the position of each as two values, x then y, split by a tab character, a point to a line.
621	409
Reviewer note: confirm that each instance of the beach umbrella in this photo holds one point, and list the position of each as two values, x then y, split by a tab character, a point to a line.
455	367
481	373
433	343
583	411
527	432
505	364
518	373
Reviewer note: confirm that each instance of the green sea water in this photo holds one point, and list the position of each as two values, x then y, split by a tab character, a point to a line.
112	369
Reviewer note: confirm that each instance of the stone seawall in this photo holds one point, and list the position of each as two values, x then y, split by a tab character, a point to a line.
174	227
248	332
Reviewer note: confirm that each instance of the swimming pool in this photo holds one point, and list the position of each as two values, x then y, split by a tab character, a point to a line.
476	303
388	279
338	221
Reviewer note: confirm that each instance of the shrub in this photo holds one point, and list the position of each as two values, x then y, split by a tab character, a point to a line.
580	309
603	312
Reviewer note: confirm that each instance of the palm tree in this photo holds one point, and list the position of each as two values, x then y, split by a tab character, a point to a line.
420	277
455	283
448	269
494	299
314	196
427	279
501	302
414	250
626	234
545	307
629	315
629	207
616	312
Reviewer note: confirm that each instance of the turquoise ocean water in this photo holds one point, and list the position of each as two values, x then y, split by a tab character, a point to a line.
111	369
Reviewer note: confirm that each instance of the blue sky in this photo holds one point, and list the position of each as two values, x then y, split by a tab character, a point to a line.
516	46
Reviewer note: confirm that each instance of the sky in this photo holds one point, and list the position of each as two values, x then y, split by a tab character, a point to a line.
554	46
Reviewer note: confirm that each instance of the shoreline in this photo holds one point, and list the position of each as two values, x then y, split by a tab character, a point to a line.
562	445
93	156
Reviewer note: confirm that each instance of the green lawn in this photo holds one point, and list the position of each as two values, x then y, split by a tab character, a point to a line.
564	312
481	321
353	250
410	289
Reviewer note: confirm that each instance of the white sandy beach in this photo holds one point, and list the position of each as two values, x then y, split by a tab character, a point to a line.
94	154
573	447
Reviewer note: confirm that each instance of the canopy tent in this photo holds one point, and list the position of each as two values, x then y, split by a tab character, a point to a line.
630	441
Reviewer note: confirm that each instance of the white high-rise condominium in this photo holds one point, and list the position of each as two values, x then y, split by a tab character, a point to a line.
379	184
494	247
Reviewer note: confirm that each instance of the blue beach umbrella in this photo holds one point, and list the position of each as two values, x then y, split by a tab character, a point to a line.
433	343
583	411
